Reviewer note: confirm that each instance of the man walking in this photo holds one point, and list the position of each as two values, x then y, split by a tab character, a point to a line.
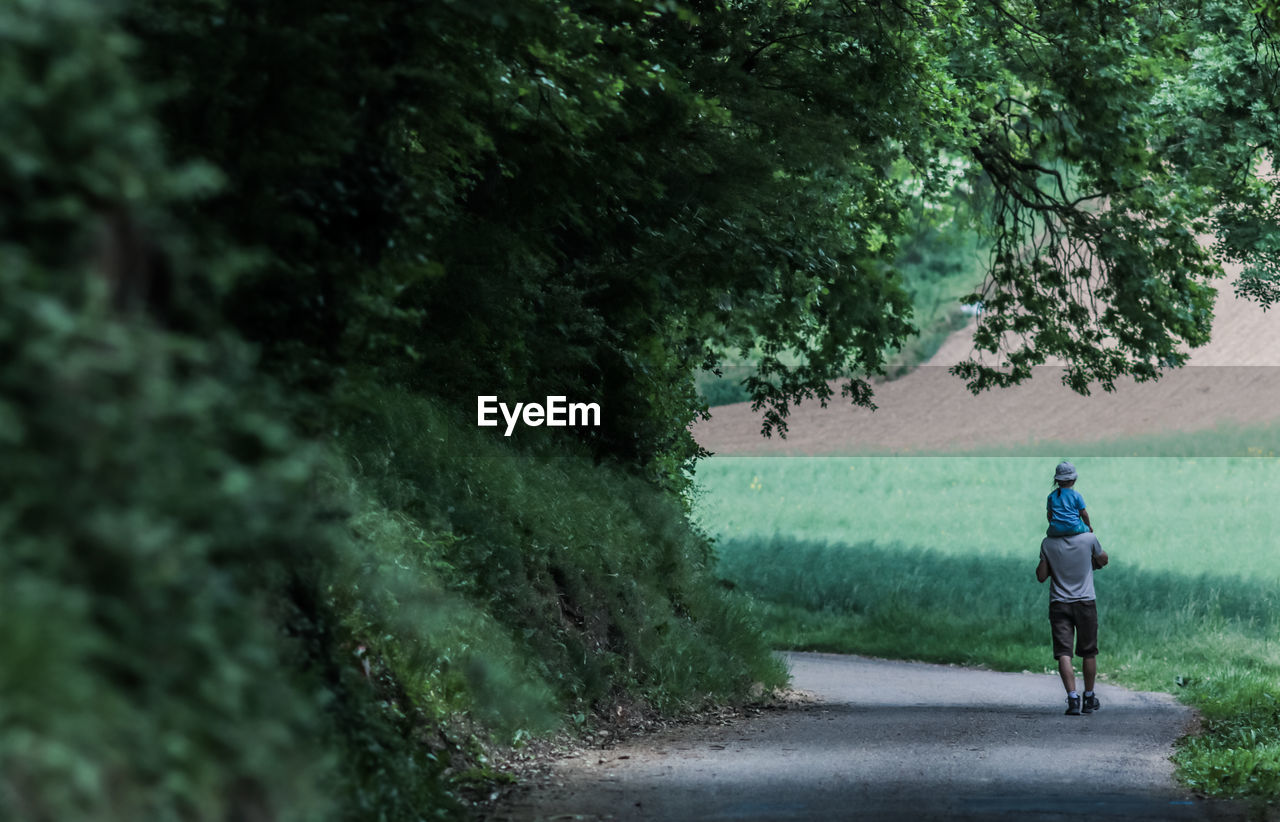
1073	613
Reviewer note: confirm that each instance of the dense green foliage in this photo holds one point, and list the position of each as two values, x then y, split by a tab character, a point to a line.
594	199
260	256
150	500
933	559
940	260
209	616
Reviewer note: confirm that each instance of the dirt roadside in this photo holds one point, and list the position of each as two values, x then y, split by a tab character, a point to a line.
886	740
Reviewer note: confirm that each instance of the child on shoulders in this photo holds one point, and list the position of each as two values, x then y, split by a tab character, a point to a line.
1065	507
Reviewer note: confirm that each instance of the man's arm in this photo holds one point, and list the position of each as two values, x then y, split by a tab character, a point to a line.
1042	570
1100	560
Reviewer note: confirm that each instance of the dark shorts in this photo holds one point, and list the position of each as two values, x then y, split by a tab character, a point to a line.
1074	620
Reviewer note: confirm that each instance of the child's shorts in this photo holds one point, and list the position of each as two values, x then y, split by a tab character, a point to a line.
1055	531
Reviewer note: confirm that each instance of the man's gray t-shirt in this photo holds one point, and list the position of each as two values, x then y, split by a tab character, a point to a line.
1070	566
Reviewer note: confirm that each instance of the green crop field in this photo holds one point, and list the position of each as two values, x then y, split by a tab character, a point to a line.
933	558
1189	515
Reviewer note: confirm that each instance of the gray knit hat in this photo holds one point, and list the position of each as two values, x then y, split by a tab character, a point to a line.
1065	473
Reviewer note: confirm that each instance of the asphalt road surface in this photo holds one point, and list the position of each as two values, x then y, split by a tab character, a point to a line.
889	740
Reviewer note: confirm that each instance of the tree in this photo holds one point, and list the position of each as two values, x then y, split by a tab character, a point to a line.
595	199
1111	154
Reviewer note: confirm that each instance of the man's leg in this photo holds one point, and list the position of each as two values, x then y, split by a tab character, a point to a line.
1062	626
1068	674
1074	701
1062	621
1087	648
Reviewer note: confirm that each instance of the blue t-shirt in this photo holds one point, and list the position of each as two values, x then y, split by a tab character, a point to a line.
1064	507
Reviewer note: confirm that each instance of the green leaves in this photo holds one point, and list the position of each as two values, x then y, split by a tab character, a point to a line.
522	196
1103	165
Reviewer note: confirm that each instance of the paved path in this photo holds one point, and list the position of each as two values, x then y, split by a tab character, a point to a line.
894	741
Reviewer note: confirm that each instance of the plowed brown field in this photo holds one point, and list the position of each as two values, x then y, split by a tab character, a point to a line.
1234	379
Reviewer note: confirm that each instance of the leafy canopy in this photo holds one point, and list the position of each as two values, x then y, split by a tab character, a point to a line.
596	199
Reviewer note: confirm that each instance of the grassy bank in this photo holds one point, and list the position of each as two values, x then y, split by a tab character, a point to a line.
212	618
933	559
594	582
